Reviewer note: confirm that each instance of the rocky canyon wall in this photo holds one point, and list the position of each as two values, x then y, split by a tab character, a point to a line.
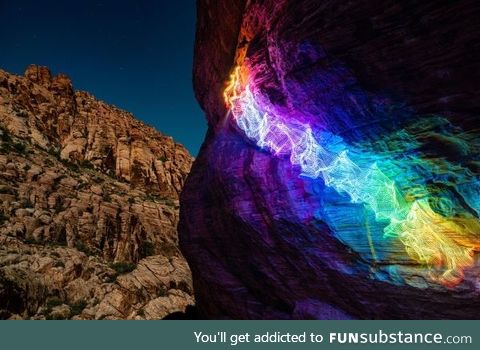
340	174
89	207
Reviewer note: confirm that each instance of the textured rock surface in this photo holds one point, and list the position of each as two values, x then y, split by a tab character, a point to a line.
88	194
253	231
47	111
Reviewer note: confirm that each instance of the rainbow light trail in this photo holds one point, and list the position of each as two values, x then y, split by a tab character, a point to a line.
446	243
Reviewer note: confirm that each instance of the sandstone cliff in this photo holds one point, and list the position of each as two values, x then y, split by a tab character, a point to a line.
312	105
89	206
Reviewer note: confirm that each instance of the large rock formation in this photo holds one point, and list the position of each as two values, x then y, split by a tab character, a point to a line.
340	174
89	206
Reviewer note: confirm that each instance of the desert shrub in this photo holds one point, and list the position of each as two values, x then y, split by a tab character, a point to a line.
77	308
169	202
3	218
123	267
27	203
19	147
70	165
82	247
162	291
54	152
97	179
5	136
152	197
86	164
4	149
147	248
30	240
52	302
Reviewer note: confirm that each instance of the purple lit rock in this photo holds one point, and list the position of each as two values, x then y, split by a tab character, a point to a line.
251	228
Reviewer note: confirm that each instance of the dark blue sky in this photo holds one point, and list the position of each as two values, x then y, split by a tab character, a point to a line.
134	54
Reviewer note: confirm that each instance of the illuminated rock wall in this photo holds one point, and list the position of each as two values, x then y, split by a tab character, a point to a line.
340	174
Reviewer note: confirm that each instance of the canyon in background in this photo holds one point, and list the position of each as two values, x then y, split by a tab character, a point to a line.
89	207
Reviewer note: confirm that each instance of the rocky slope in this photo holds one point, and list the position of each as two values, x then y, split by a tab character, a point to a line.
395	87
89	207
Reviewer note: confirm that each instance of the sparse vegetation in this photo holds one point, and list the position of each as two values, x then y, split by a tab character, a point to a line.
162	291
147	249
36	188
30	240
5	136
52	302
151	197
81	247
97	179
77	308
8	145
3	218
4	148
157	198
53	151
169	202
86	164
19	147
56	317
123	267
70	165
27	203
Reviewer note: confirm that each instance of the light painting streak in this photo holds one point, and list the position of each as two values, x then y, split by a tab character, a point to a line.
444	244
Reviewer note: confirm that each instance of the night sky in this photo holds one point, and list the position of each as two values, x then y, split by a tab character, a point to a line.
134	54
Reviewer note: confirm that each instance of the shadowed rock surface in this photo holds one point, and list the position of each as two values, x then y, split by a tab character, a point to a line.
264	242
89	207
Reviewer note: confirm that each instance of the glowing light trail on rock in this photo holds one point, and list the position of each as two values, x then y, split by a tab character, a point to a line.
444	243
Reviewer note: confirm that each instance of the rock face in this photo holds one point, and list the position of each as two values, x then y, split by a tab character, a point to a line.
340	174
89	207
